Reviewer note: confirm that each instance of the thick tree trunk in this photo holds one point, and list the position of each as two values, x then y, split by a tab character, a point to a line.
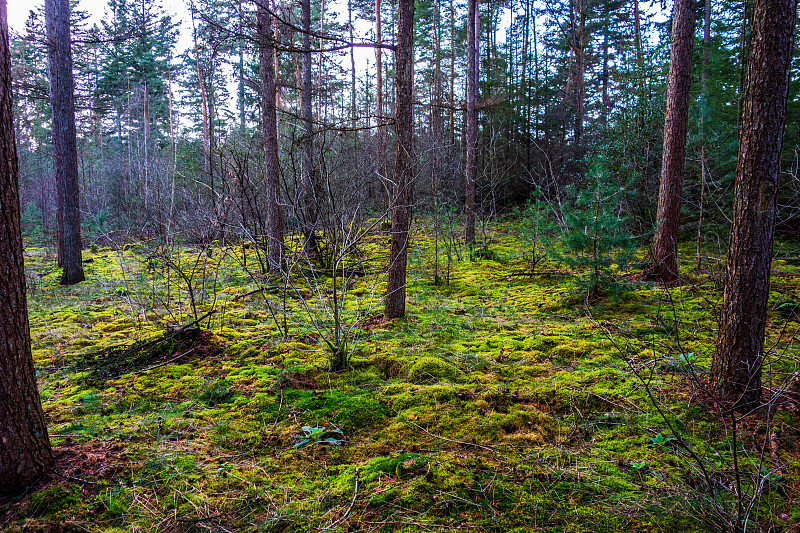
65	149
269	121
471	164
24	444
736	368
676	123
403	162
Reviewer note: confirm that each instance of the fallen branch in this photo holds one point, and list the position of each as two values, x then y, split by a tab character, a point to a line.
158	365
349	509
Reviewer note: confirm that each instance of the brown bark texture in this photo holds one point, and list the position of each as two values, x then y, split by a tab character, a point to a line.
269	123
471	164
403	192
24	444
736	368
65	150
676	123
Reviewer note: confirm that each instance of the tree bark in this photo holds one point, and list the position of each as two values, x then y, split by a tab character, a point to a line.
581	43
403	162
24	445
380	168
706	45
208	154
606	102
676	123
471	163
65	150
736	368
637	33
353	109
269	121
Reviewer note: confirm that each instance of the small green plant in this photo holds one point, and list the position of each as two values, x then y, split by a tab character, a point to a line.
638	465
661	441
683	362
312	435
532	220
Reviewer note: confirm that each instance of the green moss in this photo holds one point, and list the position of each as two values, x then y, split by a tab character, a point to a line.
58	500
431	370
494	405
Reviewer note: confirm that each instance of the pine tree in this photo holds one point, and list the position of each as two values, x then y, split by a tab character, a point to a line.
25	453
739	355
403	190
65	149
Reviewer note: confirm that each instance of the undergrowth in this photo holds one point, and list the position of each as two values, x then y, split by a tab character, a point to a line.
501	403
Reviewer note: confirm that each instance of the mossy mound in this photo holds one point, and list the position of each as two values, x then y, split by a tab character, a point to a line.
432	369
58	500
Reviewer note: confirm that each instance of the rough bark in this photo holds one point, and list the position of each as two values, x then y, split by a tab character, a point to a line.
676	123
24	444
403	162
471	164
65	149
736	368
269	123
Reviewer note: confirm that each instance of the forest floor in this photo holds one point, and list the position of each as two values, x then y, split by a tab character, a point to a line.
502	402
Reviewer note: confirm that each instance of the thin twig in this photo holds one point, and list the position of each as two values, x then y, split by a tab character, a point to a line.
349	509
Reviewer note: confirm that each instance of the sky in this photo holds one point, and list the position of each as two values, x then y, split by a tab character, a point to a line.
18	13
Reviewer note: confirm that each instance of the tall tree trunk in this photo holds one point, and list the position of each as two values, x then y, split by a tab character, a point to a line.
381	149
452	73
403	162
606	102
637	33
525	101
240	70
269	121
65	150
307	195
25	450
208	161
581	43
676	123
706	45
471	164
353	110
703	111
736	368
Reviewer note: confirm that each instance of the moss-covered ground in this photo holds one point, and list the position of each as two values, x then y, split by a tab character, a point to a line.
502	402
